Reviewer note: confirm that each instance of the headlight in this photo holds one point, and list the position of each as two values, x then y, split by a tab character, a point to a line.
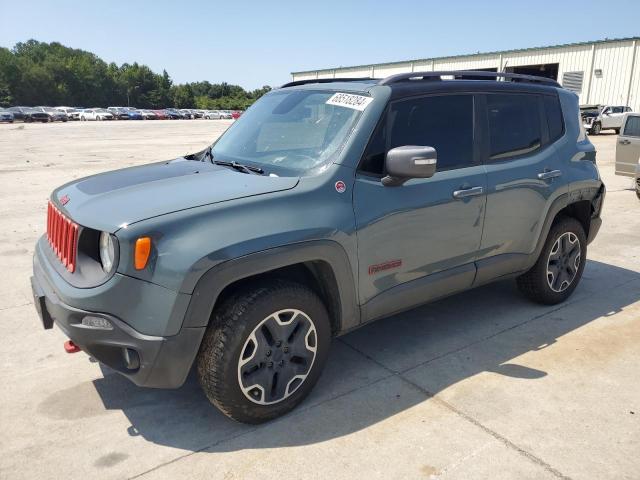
107	251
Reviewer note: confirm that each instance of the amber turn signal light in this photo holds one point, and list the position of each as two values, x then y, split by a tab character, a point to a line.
142	252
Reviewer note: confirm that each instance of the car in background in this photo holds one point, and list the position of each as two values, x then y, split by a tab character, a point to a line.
160	114
596	118
70	112
187	113
226	114
212	115
29	114
173	114
6	116
134	114
119	113
95	114
236	114
148	114
628	149
55	115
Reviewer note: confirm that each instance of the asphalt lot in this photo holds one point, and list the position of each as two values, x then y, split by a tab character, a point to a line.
480	385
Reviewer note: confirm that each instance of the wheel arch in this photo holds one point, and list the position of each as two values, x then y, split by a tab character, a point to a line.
582	204
322	265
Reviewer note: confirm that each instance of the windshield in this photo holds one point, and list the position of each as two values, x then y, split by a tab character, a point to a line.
293	130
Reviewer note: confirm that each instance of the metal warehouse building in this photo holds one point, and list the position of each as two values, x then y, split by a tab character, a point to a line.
600	72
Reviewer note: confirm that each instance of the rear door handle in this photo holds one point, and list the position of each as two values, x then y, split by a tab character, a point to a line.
624	142
548	174
468	192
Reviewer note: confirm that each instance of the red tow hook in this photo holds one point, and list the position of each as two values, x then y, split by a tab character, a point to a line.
71	347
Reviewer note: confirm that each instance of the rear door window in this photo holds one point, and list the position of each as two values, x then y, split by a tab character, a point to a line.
514	125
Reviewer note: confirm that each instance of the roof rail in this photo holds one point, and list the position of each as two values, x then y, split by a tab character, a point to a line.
325	80
467	75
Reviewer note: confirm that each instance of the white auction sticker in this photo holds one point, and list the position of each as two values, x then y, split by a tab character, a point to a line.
357	102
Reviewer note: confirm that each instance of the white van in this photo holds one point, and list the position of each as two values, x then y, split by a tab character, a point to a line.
628	149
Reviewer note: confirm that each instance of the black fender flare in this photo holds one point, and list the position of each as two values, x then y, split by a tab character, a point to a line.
217	278
595	194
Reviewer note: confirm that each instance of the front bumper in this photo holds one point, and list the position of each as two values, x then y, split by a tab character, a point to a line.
150	361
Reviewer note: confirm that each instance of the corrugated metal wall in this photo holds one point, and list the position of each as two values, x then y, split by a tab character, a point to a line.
611	69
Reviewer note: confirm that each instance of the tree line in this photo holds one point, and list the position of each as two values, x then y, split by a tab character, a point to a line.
38	73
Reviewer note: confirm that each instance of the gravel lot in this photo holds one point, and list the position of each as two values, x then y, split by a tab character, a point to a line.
480	385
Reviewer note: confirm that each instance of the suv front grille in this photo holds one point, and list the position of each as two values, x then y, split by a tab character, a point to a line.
62	234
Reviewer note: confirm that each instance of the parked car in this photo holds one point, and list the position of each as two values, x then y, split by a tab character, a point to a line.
119	113
148	114
236	114
95	114
628	149
172	114
160	114
6	116
134	114
596	118
29	114
212	115
226	114
419	189
55	115
70	112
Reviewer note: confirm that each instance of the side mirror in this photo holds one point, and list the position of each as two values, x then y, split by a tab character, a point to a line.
407	162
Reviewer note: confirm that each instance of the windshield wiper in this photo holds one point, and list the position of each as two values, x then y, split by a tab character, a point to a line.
238	166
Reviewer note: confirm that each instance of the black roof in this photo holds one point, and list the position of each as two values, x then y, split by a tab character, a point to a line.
415	83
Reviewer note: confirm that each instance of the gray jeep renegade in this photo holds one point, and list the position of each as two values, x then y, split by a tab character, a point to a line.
327	205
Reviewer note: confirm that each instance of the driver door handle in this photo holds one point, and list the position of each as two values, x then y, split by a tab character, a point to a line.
624	142
548	174
468	192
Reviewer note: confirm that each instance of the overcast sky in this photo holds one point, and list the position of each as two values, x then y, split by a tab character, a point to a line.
254	43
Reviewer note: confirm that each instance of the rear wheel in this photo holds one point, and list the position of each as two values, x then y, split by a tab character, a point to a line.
264	351
559	268
617	130
596	129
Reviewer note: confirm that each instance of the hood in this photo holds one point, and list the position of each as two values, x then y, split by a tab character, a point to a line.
111	200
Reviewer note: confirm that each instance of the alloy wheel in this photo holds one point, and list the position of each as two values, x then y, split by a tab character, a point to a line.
277	356
563	262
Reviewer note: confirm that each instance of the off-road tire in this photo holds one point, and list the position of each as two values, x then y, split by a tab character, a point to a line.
229	329
534	283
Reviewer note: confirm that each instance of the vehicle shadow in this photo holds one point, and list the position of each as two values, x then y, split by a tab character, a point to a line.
365	365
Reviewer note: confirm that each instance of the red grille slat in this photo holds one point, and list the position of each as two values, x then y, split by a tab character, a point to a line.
62	234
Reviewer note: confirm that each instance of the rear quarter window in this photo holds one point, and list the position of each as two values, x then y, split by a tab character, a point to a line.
553	114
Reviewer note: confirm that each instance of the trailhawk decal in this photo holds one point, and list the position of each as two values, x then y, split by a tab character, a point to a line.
381	267
348	100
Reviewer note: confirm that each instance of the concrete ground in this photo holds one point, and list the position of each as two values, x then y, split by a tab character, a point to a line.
480	385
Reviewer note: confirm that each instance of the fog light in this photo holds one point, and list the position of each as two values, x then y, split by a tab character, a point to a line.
97	322
131	358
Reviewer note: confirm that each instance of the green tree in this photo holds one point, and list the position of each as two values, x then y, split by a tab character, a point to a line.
39	73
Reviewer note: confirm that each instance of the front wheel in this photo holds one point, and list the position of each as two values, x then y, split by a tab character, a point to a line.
559	267
264	350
